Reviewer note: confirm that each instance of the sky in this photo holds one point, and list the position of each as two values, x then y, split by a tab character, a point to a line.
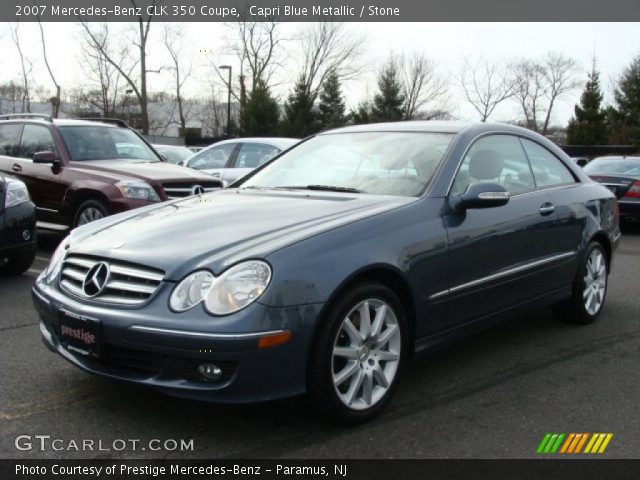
613	44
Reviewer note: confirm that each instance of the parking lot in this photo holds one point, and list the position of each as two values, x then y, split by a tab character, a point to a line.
494	395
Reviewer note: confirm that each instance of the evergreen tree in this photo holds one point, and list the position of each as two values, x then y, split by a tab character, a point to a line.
625	117
389	101
331	106
300	117
362	114
260	113
588	125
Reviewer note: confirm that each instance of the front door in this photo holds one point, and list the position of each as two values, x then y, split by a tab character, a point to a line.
498	257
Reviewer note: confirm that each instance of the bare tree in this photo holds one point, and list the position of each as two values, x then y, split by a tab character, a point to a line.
425	90
26	68
140	40
259	47
327	47
529	87
55	101
561	77
173	41
485	85
539	84
103	93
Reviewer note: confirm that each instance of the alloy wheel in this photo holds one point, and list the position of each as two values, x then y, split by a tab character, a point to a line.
595	282
366	354
88	215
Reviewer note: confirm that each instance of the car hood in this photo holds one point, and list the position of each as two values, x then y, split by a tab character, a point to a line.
219	229
156	171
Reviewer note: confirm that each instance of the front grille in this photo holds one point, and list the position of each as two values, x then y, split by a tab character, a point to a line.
177	190
126	284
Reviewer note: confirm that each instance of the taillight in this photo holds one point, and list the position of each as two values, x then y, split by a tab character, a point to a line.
634	190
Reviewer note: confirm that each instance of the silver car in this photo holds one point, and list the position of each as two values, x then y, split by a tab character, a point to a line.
230	160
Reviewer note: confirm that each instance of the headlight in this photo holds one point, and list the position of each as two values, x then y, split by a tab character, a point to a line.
191	291
138	189
16	193
53	269
238	287
235	289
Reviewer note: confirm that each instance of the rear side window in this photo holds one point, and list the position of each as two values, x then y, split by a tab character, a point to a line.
9	137
252	155
548	169
35	138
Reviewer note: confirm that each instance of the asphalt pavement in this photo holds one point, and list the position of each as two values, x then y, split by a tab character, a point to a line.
494	395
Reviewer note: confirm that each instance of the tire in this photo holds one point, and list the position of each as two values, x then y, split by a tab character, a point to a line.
589	288
88	212
18	264
343	361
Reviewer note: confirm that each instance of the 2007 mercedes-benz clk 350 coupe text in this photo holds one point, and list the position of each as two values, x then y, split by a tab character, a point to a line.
336	262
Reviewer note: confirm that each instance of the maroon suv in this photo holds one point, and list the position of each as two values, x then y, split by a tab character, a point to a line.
78	171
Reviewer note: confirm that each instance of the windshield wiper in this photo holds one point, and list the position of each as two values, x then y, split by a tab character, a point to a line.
325	188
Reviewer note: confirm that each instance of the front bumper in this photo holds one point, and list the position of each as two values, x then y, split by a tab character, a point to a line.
14	222
154	347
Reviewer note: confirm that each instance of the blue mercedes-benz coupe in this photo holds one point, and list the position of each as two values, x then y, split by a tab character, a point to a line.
326	269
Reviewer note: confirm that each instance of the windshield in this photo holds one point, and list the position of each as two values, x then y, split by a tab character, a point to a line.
614	165
89	142
382	163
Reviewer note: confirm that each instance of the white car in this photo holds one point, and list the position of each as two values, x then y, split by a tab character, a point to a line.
232	159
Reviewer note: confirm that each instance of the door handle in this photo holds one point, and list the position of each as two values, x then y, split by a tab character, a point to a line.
547	209
16	167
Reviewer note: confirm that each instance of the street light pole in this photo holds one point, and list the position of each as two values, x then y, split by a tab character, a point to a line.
228	67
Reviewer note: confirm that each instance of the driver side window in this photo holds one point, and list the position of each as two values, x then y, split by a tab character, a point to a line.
495	159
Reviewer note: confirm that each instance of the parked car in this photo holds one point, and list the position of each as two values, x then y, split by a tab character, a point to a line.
17	227
78	171
174	153
325	280
230	160
622	176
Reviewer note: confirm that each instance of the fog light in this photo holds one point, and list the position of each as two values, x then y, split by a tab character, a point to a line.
209	371
26	234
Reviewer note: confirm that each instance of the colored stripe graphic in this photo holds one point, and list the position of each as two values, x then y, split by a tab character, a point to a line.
598	442
573	443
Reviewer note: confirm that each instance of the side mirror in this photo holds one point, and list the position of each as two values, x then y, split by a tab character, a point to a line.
45	157
163	157
480	195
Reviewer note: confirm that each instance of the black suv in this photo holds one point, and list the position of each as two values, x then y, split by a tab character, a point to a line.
17	227
78	171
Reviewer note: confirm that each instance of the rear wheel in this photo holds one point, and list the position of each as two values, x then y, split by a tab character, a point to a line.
589	288
358	354
88	212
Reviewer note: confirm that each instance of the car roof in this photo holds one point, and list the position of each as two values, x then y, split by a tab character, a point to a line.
617	157
81	123
431	126
282	142
163	145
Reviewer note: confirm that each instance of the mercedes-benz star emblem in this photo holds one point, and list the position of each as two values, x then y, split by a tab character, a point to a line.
96	279
197	190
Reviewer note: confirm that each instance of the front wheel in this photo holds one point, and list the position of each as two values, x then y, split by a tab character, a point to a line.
88	212
358	354
589	288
